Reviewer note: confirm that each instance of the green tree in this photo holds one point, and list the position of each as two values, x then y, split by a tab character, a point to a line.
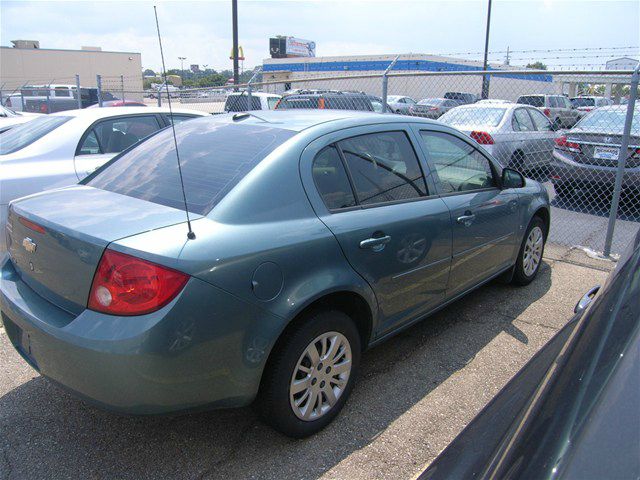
148	73
537	65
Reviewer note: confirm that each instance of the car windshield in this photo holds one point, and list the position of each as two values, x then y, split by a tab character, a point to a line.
583	102
488	117
533	100
23	135
610	121
214	157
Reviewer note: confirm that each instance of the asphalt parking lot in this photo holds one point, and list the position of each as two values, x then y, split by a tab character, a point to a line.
416	392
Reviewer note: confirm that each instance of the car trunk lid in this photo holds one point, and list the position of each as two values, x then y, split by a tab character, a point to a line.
56	240
602	149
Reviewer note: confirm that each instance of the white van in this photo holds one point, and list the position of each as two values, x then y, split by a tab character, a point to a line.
237	101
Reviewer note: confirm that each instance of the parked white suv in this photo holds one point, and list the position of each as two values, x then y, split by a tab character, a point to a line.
585	103
557	108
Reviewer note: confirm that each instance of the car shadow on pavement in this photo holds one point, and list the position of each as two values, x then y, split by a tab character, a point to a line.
47	433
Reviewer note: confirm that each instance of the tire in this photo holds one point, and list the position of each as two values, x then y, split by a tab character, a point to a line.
276	398
526	268
517	161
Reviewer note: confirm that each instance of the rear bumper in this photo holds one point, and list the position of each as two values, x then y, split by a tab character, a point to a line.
205	348
568	171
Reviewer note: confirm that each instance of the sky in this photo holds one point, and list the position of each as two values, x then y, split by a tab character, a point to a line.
201	31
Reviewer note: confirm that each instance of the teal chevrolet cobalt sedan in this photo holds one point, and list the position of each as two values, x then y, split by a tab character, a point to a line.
313	236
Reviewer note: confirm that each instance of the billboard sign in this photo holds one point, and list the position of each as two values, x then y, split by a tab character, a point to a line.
297	47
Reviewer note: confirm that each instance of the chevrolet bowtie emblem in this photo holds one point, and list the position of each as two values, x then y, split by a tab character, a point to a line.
29	245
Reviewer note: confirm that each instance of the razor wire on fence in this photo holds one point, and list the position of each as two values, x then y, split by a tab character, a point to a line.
564	129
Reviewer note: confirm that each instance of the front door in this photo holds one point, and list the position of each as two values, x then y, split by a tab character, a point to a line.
484	218
392	232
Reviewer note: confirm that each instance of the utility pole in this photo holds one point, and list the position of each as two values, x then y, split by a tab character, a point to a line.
234	19
182	59
507	60
485	78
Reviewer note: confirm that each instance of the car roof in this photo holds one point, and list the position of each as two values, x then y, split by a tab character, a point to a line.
301	119
254	94
96	113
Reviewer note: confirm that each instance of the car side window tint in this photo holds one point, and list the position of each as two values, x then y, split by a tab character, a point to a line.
458	165
521	121
90	145
384	167
118	134
331	179
540	120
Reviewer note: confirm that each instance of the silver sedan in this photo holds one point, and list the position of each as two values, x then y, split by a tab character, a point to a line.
517	136
62	148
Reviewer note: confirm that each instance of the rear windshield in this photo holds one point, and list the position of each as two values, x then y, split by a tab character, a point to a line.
240	103
432	101
23	135
214	158
486	117
298	102
610	121
533	100
583	102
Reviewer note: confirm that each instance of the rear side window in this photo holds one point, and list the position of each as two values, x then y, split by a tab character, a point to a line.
23	135
384	167
331	179
117	134
533	100
214	158
540	120
521	122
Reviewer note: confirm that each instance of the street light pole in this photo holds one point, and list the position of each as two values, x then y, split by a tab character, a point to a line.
182	59
485	65
234	19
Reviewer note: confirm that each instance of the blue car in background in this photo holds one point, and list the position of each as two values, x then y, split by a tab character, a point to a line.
316	235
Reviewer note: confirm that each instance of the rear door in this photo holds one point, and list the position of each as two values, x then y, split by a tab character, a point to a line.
368	187
110	136
545	137
484	218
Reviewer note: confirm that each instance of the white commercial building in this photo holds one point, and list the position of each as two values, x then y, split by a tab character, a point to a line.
504	86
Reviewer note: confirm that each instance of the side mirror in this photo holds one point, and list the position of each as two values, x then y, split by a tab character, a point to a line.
512	178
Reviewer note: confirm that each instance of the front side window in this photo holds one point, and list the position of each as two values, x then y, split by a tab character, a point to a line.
384	167
331	179
117	134
458	165
521	121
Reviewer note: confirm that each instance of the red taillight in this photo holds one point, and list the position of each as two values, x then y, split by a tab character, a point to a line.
43	108
31	225
321	103
126	285
434	109
547	112
563	144
277	103
483	138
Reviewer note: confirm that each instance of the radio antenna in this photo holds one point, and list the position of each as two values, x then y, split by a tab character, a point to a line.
190	234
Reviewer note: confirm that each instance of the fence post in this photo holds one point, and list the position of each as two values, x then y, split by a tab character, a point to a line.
622	160
122	86
1	102
385	83
49	98
99	85
78	92
249	88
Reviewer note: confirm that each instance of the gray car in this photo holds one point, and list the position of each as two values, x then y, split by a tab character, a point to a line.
557	108
586	157
312	236
517	136
400	103
433	107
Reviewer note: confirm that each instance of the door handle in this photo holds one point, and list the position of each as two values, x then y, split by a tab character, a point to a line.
375	243
466	219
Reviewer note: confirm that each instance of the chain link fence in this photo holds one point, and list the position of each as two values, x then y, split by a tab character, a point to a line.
564	129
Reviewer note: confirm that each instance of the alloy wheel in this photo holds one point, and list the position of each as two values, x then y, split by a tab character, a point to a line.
532	251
